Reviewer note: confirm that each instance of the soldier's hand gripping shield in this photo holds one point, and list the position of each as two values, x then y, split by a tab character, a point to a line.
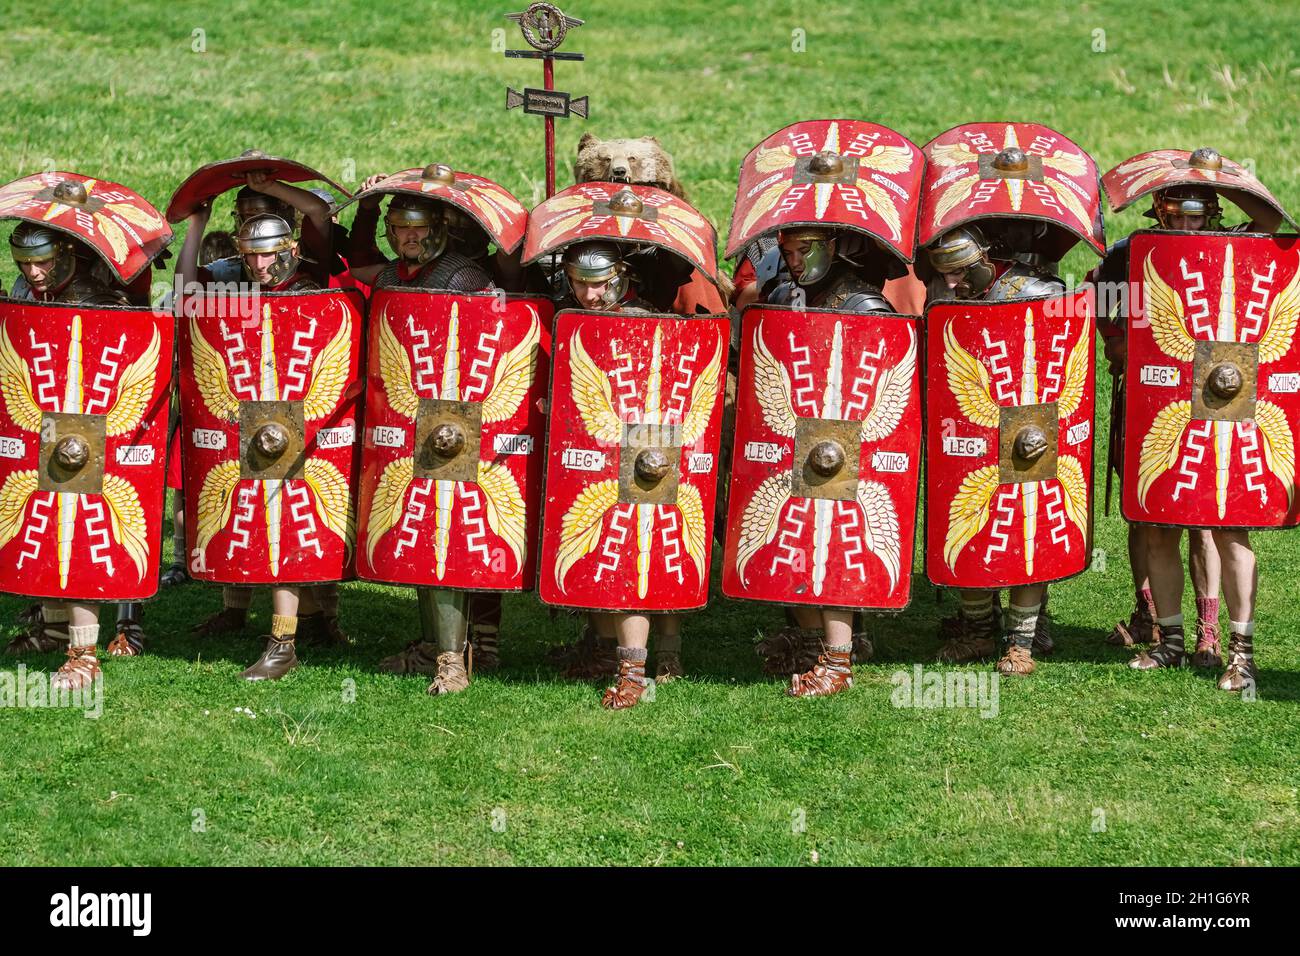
1213	380
632	461
451	480
827	454
214	179
1009	438
270	389
83	440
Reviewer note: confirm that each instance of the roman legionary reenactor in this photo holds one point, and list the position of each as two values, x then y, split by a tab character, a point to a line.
266	190
826	454
83	377
636	405
452	463
1009	407
1209	408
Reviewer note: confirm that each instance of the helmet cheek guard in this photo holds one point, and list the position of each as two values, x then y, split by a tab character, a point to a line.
414	213
593	262
269	234
963	250
30	243
819	257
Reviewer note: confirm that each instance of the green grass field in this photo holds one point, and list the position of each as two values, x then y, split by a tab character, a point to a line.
1087	762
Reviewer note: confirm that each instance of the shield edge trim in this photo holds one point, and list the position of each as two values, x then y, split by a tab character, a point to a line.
175	216
1265	196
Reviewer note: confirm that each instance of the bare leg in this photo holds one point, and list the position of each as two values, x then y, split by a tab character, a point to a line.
633	632
82	667
833	671
1165	566
1024	604
279	657
1240	589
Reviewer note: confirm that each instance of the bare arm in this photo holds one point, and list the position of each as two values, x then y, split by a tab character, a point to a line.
309	204
187	264
1263	217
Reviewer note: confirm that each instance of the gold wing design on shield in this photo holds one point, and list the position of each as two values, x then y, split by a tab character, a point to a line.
14	495
387	505
210	377
329	374
581	207
1146	170
881	527
215	501
1164	309
513	376
969	511
954	195
592	395
506	514
1067	197
134	389
1161	444
893	390
704	395
1071	164
1282	313
878	199
580	529
395	370
772	387
769	161
758	523
1076	377
1069	472
133	215
1279	444
113	233
969	382
332	497
126	520
953	154
16	386
693	536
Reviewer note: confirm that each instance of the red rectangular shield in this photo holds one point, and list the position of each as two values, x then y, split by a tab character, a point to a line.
632	461
83	450
822	506
1212	384
270	411
476	367
1008	440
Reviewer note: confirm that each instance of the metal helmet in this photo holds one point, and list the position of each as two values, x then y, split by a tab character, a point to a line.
269	234
33	243
1186	200
250	203
821	252
598	262
407	210
964	250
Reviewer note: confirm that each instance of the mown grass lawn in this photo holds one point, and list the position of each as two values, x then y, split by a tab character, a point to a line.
1086	762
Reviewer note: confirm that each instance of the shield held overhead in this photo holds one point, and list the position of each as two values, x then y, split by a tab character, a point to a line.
269	392
1212	399
1009	422
822	507
631	457
83	443
452	464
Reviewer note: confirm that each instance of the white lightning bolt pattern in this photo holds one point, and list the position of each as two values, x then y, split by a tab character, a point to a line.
860	395
296	374
97	531
672	541
615	536
242	381
243	517
486	352
1052	382
1193	455
681	391
787	544
1052	500
47	390
804	387
303	518
1250	458
471	515
1198	313
851	536
1002	377
791	198
1045	196
421	358
862	144
802	144
101	397
413	517
1259	294
852	198
987	189
1006	514
37	524
624	386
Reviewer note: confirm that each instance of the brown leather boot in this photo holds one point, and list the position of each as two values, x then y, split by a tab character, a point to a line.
668	667
832	673
452	675
780	650
1016	660
973	641
229	620
40	638
278	658
1241	672
600	664
1208	654
629	687
128	641
417	657
484	630
1043	643
1140	629
863	650
79	671
321	630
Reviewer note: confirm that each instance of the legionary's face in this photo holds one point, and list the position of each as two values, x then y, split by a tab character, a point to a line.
259	266
1187	223
410	240
590	295
39	275
794	251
